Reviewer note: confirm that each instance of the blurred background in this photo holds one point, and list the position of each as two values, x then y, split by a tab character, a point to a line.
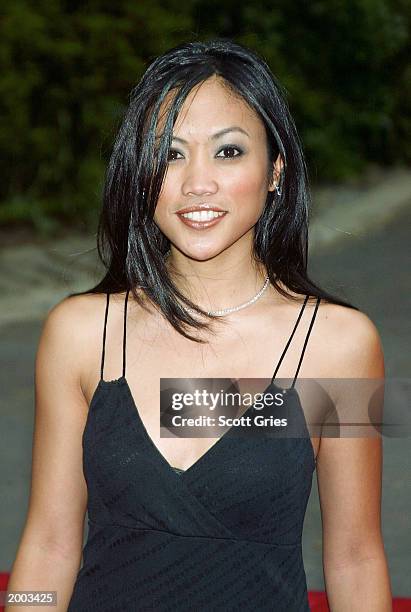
67	69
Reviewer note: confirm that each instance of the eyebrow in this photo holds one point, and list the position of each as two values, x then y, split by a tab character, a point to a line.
234	128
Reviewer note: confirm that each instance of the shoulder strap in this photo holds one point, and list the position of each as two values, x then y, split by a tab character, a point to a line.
305	342
104	336
306	339
105	333
290	338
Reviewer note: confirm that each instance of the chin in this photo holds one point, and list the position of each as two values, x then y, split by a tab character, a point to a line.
203	256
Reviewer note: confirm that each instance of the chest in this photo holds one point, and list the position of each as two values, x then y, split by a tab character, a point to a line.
256	350
244	358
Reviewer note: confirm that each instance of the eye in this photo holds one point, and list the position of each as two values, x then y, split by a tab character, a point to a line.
173	152
169	154
231	148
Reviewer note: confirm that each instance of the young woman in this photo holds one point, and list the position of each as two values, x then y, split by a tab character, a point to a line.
205	210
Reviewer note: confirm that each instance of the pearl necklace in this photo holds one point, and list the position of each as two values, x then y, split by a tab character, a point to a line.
225	311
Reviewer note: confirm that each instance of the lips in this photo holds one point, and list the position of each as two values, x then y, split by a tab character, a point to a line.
201	218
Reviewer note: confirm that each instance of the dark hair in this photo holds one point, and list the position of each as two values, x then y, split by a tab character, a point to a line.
131	246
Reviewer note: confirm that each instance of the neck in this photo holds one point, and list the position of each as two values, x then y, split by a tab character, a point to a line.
224	281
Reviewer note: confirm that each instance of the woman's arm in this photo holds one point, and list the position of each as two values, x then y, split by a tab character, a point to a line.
349	474
49	552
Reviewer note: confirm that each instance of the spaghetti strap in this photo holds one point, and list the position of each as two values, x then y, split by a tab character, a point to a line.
290	338
306	339
104	336
125	333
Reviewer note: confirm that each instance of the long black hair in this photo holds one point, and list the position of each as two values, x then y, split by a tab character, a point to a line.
132	247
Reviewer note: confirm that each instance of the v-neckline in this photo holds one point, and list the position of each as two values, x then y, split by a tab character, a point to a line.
209	452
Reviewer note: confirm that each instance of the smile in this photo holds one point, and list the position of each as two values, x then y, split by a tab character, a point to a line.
201	219
202	215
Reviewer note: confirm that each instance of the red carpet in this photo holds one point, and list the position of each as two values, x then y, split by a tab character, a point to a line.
318	603
317	599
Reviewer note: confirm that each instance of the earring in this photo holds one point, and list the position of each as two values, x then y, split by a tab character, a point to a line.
278	190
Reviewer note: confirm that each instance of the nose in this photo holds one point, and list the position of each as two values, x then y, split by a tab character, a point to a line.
198	179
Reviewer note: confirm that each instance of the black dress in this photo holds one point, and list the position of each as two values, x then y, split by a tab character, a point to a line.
223	535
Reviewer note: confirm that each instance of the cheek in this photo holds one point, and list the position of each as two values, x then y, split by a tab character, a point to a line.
245	187
162	212
168	201
248	195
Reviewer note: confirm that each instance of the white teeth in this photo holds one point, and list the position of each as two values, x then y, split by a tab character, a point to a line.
203	215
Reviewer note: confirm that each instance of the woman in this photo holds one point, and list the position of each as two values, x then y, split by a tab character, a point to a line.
205	211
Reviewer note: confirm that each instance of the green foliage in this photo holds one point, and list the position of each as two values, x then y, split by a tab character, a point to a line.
345	65
67	69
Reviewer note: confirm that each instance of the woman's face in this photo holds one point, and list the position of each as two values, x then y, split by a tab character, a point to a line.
226	171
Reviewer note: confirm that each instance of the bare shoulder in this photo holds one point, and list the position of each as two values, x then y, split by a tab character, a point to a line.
76	309
71	331
351	340
75	316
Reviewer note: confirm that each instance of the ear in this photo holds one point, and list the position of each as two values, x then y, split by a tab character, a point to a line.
276	173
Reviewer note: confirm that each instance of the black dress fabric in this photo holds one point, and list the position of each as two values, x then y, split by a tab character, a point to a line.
223	535
178	470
